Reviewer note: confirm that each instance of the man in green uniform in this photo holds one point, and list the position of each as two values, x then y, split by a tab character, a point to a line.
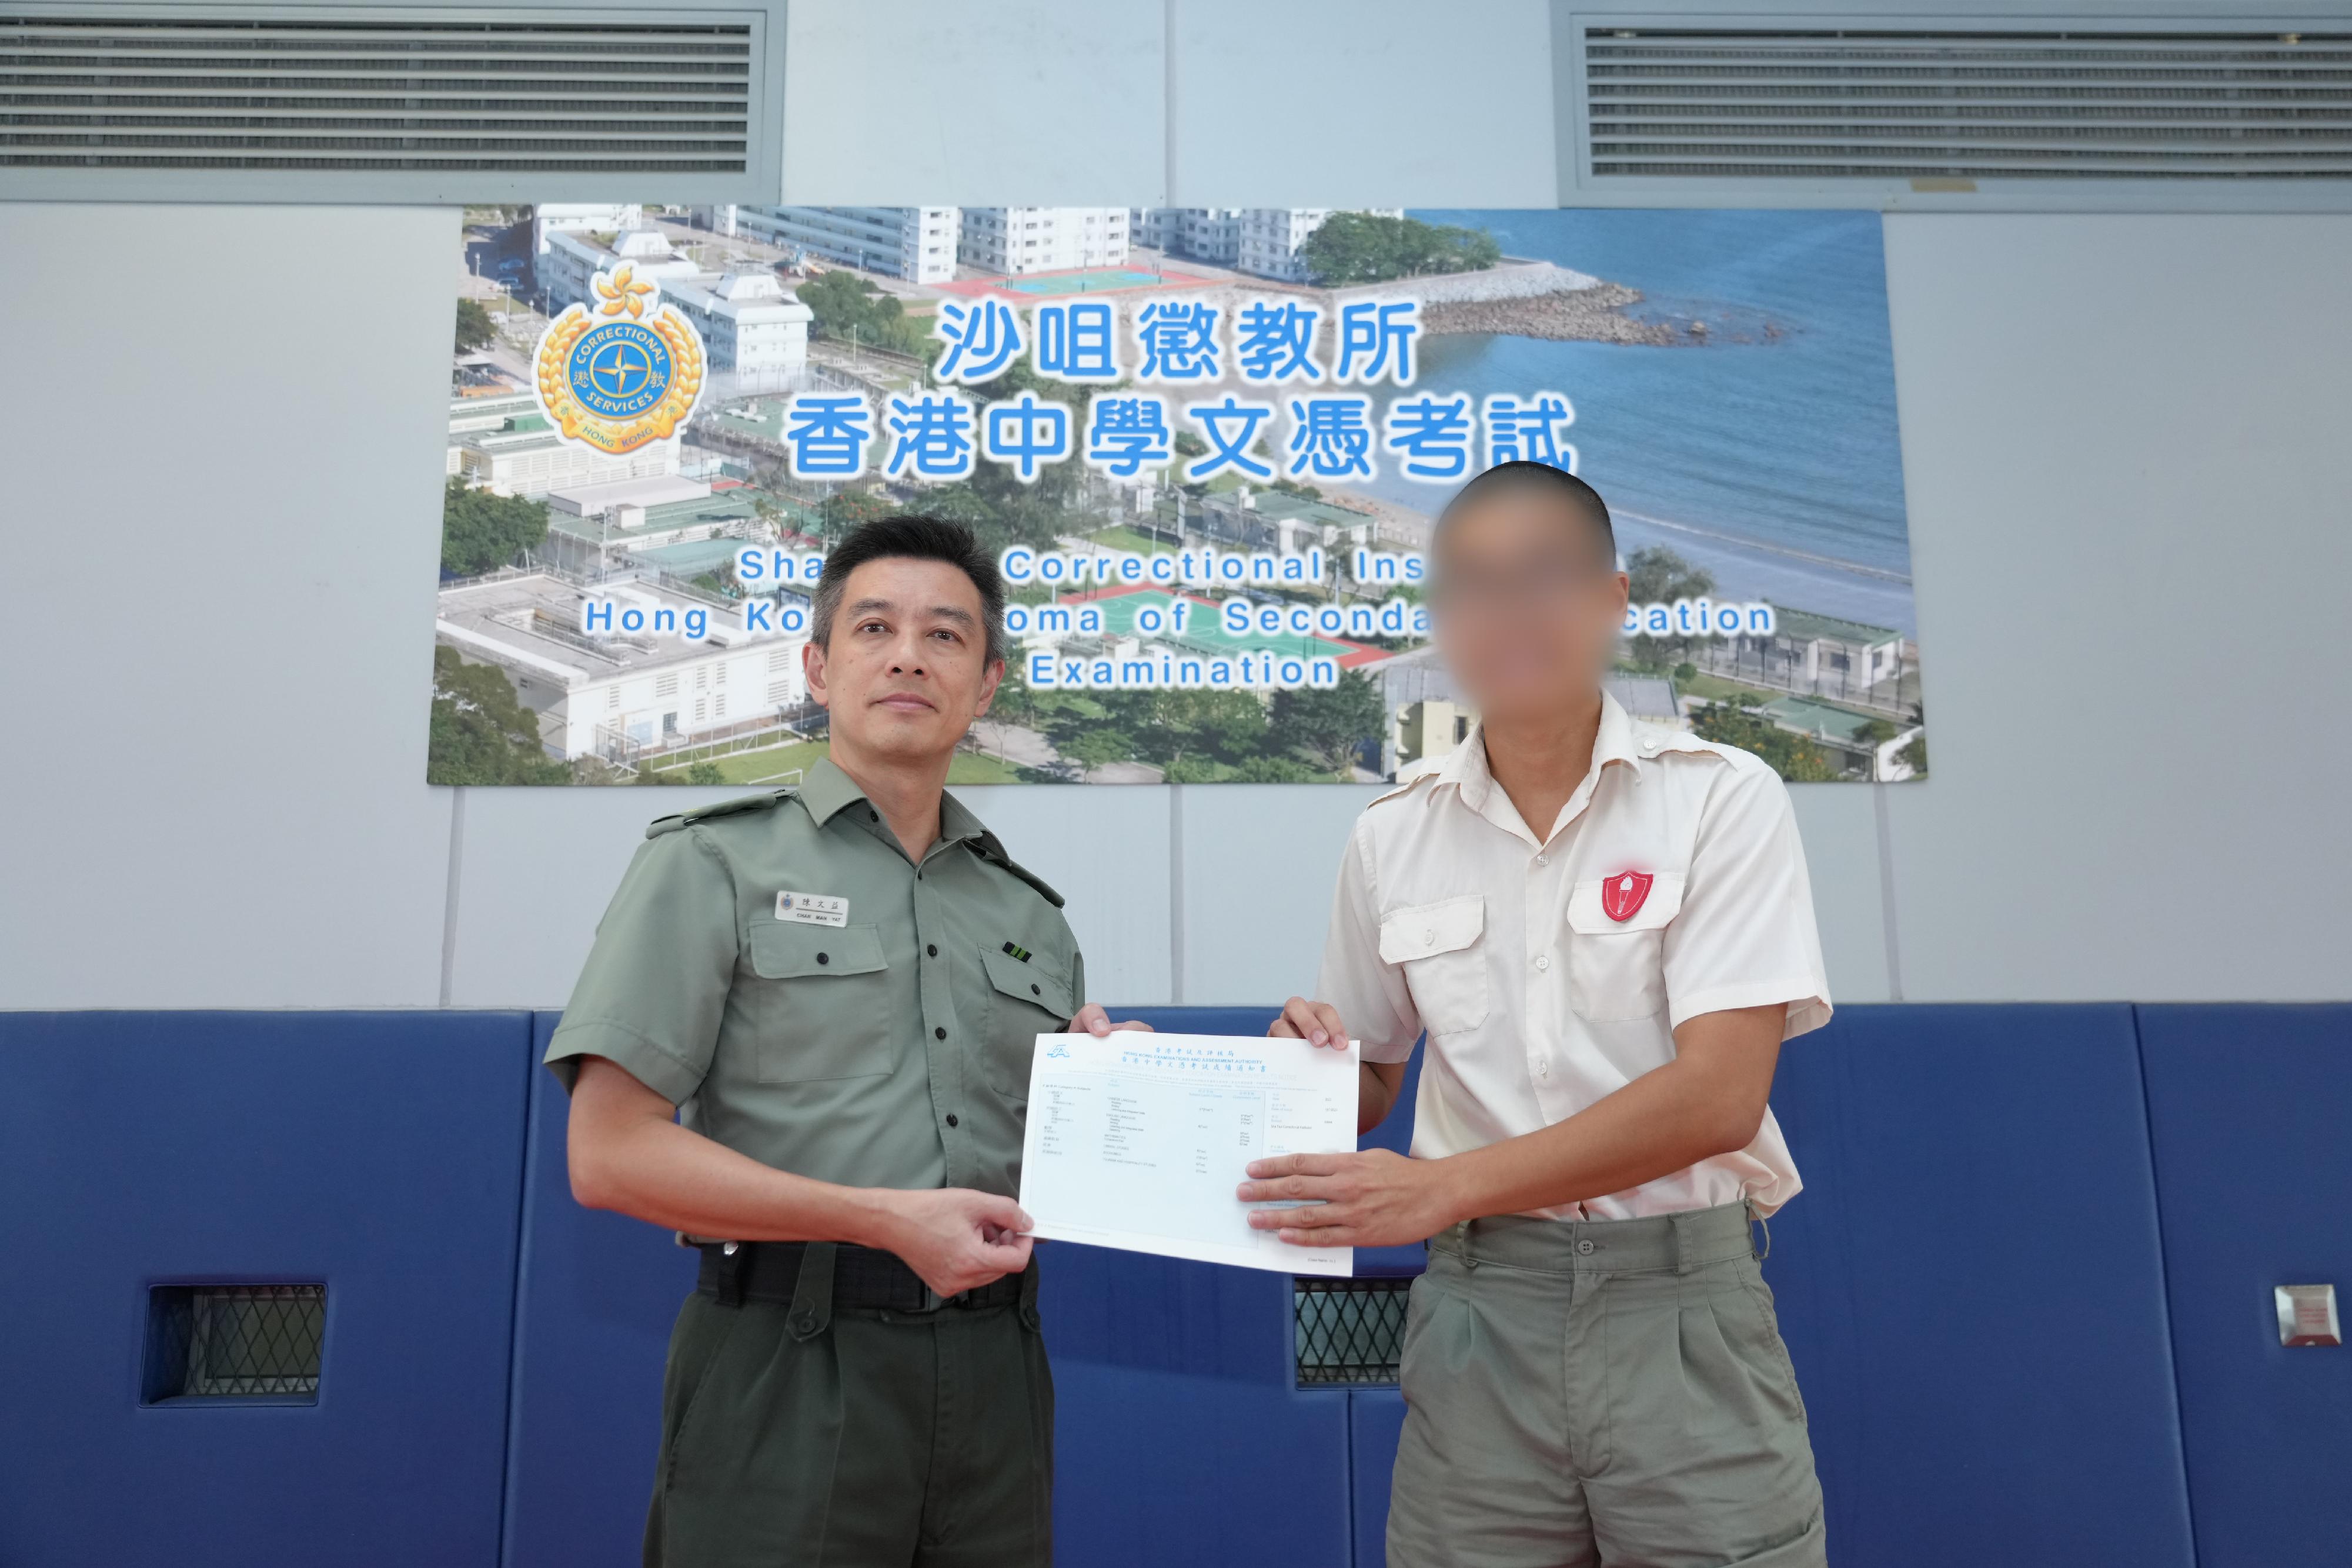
840	986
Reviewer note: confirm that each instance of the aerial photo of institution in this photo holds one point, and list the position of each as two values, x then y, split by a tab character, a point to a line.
802	300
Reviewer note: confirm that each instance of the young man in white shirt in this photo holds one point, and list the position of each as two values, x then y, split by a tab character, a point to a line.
1607	931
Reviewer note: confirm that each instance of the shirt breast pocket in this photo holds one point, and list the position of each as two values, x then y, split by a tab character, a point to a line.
1024	1002
821	1002
1441	948
1616	968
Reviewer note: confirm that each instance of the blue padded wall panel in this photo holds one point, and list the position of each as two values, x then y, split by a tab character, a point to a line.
380	1153
597	1294
2251	1111
1972	1290
1166	1315
1179	1438
1375	1422
1165	1469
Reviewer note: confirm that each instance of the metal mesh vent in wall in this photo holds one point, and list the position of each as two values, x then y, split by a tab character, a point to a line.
235	1341
1349	1331
279	93
1968	104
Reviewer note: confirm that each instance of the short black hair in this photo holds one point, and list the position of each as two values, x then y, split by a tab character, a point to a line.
1522	477
910	538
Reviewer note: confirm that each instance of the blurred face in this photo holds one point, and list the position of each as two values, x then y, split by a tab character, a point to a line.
906	669
1528	603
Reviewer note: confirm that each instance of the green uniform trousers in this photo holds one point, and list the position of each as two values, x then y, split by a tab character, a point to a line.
1600	1394
811	1436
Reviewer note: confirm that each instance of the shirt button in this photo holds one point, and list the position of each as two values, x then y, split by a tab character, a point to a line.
824	958
933	949
1543	1069
939	1034
1584	1246
1543	961
951	1122
1428	934
1543	860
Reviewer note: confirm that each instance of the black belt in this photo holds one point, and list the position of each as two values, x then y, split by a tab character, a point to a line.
863	1277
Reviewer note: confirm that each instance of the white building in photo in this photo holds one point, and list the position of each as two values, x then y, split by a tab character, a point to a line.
1213	234
550	218
1157	228
1268	238
501	442
1016	241
917	244
616	498
752	326
572	259
615	695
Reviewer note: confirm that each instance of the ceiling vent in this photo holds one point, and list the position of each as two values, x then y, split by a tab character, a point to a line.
1949	111
372	105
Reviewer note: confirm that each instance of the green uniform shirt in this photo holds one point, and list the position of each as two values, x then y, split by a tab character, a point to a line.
886	1043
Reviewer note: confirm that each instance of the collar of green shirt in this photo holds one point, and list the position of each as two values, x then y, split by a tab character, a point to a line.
827	791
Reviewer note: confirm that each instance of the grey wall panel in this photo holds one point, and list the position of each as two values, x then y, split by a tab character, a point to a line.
932	102
1258	863
1841	834
1105	849
219	559
1377	103
2125	441
538	868
540	864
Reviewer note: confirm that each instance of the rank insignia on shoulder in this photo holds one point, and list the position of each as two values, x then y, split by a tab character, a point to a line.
1017	951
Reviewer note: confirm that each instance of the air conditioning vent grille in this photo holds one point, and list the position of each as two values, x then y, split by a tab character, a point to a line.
1814	105
173	92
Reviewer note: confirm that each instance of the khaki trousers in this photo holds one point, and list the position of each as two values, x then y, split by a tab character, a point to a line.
1603	1393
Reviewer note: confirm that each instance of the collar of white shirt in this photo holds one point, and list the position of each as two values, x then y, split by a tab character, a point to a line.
1464	770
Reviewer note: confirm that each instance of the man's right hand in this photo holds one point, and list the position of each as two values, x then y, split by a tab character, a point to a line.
955	1239
1317	1023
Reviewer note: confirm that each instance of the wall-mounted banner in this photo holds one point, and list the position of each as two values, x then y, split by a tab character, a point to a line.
1206	446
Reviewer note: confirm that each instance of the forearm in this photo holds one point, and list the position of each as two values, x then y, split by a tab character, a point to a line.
1661	1122
657	1171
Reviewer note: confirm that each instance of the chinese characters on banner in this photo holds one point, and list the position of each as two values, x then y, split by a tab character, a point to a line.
939	433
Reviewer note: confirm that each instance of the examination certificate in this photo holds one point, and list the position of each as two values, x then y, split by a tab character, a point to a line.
1138	1140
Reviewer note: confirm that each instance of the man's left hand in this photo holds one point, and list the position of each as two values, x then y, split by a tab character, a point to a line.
1091	1019
1373	1198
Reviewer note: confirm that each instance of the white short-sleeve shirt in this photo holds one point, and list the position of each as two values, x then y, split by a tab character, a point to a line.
1550	971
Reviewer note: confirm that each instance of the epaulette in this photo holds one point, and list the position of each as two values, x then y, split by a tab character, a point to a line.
1407	787
991	850
661	825
1655	740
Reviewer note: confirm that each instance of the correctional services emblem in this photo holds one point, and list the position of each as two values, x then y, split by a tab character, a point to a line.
622	372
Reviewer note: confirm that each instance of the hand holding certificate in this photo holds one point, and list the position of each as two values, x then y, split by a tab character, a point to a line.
1139	1141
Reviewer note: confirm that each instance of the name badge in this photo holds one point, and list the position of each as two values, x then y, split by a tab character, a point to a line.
812	908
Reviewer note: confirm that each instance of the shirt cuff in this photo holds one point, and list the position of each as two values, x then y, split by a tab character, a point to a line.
1808	1000
649	1063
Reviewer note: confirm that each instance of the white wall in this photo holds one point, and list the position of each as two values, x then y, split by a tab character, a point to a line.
2126	443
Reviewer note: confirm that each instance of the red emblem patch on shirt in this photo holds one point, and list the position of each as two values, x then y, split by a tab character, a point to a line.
1622	895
